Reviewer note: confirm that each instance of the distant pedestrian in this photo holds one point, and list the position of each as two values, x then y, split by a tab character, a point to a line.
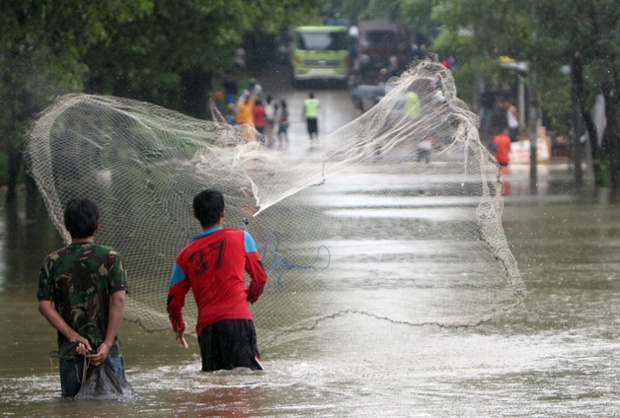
220	105
259	116
245	115
412	104
230	87
353	55
487	103
231	114
512	118
393	70
270	120
383	78
245	107
283	124
255	88
501	147
424	150
311	113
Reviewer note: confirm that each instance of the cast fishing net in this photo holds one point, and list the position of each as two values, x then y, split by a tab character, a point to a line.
396	215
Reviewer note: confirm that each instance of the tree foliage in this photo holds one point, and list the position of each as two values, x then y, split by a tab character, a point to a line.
41	46
164	51
171	56
547	35
355	11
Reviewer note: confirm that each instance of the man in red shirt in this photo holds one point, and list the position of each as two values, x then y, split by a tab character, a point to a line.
501	147
259	116
213	265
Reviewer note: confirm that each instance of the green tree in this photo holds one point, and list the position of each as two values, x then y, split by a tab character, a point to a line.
164	51
357	10
172	55
586	33
41	44
548	35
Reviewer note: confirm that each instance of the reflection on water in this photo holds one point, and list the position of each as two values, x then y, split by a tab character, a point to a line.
558	355
26	236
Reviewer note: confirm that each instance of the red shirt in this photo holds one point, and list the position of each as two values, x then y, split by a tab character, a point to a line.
502	148
259	116
213	265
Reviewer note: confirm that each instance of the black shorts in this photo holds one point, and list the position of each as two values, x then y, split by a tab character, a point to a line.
313	126
228	344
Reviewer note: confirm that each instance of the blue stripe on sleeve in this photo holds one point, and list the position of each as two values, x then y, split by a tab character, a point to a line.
250	245
177	275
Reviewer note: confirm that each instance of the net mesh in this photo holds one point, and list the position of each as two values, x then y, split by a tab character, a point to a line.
396	215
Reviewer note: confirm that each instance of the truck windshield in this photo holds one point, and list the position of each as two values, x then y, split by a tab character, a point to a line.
322	41
379	38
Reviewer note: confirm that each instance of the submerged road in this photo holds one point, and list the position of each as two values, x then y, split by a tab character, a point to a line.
558	355
336	106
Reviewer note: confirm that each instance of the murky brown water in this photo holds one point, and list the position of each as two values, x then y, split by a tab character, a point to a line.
557	356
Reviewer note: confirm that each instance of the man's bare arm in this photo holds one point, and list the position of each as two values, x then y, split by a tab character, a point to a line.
53	317
117	309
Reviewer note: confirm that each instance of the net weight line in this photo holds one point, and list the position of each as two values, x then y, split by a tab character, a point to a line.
272	340
280	264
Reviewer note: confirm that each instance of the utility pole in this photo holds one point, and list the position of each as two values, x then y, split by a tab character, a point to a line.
577	149
533	114
533	129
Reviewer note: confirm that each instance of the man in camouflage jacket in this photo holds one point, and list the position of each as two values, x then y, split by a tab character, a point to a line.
82	290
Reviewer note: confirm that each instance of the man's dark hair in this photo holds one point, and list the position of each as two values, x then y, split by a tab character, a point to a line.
208	207
81	218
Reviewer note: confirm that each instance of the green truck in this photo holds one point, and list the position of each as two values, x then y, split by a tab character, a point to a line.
320	53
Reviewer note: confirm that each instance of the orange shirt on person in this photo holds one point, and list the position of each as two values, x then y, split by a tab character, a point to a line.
245	111
501	144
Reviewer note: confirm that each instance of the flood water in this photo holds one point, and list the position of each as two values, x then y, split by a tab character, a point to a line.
558	355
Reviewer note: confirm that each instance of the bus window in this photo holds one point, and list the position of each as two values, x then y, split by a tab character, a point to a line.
322	41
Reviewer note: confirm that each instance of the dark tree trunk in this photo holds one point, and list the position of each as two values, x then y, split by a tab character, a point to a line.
578	86
196	83
31	187
121	87
612	140
14	165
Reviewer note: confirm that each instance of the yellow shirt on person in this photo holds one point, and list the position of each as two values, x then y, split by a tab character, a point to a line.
244	111
412	104
312	108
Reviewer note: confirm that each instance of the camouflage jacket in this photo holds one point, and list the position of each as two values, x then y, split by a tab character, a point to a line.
79	280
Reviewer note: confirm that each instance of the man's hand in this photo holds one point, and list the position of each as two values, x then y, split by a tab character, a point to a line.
99	357
83	349
180	337
83	342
